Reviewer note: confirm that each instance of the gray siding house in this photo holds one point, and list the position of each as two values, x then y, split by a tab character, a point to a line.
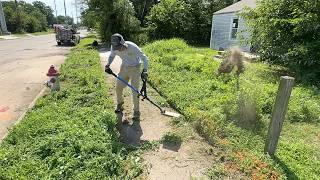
227	26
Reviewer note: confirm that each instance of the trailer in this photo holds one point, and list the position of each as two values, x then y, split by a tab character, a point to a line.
66	35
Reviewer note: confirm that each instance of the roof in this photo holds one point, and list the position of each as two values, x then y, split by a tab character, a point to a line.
237	6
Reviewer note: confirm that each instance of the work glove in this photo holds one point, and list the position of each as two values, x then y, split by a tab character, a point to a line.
107	69
144	75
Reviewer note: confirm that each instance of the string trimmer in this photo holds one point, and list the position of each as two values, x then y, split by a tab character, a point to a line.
143	93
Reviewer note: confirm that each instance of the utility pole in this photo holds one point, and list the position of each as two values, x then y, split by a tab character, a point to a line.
3	27
55	8
65	9
76	4
65	12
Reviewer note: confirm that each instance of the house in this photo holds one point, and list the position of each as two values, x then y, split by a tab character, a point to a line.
227	26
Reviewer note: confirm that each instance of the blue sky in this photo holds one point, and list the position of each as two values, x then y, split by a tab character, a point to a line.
60	8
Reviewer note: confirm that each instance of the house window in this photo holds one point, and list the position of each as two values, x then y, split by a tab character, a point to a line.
234	29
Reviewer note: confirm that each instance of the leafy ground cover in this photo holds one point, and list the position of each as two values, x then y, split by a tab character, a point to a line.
237	119
70	133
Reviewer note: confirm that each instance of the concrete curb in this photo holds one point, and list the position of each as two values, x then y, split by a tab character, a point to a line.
31	105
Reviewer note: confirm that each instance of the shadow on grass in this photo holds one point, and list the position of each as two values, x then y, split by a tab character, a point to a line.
171	142
289	173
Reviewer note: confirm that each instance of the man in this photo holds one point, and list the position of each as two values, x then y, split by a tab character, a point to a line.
131	56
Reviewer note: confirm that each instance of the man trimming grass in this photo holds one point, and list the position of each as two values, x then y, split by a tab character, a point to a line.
131	56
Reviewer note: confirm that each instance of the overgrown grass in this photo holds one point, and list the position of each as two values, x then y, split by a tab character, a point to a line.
49	31
70	134
238	119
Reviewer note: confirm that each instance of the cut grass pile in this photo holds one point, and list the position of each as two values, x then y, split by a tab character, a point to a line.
70	133
237	120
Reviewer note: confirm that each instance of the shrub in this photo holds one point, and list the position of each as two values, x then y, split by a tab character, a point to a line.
287	33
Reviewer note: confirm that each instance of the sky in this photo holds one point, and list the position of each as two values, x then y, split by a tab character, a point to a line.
71	10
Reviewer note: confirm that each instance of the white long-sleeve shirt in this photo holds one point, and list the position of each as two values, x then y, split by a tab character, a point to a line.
132	56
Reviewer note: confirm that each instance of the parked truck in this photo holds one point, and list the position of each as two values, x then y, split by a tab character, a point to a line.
65	35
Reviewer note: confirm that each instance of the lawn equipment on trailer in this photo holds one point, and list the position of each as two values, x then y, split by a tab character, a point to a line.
143	94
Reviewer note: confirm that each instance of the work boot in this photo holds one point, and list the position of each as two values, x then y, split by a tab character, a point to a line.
119	108
136	126
136	116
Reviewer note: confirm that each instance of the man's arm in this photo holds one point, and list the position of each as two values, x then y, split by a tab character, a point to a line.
111	57
143	57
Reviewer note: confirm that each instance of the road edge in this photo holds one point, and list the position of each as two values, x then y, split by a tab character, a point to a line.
30	106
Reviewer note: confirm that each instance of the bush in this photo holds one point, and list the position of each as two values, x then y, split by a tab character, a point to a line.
112	17
287	33
169	18
28	18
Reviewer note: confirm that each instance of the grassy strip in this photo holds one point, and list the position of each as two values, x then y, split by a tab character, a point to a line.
49	31
238	120
70	133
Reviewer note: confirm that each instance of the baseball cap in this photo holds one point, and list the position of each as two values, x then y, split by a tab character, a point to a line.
117	41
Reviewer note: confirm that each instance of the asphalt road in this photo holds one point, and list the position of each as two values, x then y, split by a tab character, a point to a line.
24	63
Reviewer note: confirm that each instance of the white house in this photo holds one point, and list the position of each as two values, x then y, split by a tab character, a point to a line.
227	25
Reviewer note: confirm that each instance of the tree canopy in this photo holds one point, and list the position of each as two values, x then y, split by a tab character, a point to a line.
287	32
26	17
112	16
143	19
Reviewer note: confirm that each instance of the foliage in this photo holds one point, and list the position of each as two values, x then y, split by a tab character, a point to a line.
169	18
25	17
187	19
112	17
238	119
70	134
36	22
288	33
142	8
45	10
65	20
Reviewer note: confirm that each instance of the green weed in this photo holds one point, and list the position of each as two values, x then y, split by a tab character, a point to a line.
238	119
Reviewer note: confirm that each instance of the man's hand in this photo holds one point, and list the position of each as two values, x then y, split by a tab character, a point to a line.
107	69
144	75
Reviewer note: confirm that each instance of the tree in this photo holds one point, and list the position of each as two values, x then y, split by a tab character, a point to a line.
24	17
287	33
142	8
187	19
169	18
112	17
35	22
65	20
46	10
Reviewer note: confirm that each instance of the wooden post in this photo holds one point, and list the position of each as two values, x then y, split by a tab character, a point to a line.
279	113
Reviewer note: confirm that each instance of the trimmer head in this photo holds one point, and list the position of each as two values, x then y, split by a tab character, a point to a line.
171	114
